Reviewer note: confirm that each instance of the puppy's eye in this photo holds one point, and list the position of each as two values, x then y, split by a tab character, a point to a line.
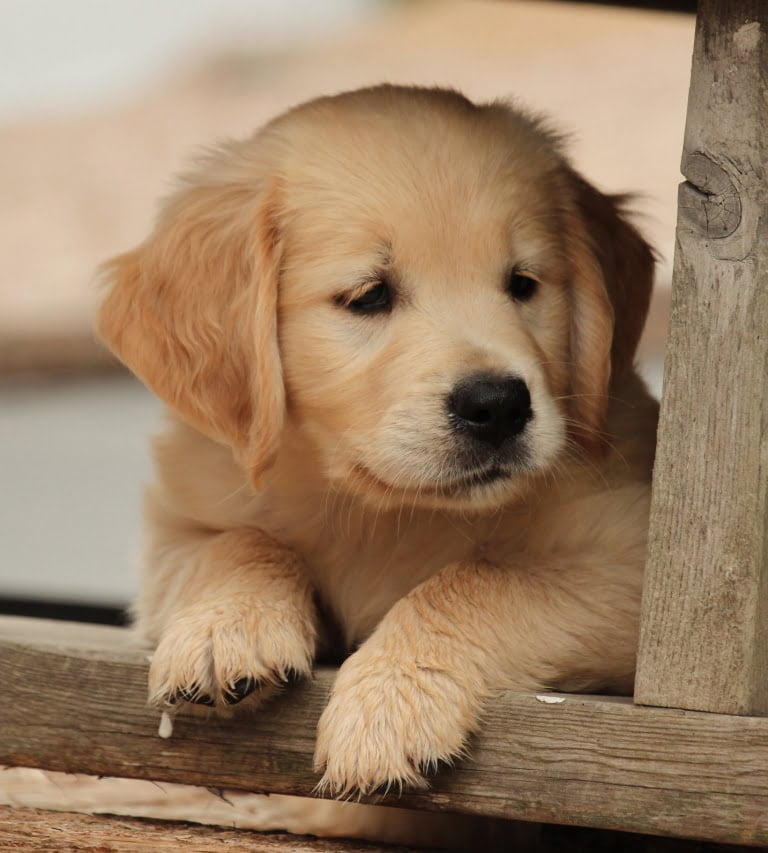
521	287
376	300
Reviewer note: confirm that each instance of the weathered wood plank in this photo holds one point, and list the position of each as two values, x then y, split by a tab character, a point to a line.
74	700
32	829
704	638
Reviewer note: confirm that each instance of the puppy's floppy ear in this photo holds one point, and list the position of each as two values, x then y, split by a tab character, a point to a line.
611	278
193	313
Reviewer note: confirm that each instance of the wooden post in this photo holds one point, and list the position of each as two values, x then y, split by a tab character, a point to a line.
704	637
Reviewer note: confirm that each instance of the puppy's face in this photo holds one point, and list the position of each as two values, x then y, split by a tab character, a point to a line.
424	315
429	305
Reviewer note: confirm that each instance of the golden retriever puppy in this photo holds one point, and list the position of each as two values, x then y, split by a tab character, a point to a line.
394	331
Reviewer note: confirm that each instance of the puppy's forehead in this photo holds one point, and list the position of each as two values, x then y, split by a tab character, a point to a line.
419	173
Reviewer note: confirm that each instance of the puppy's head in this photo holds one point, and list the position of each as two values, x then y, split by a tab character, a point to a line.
422	286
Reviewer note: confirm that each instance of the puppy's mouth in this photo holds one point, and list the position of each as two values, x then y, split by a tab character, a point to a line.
472	479
451	486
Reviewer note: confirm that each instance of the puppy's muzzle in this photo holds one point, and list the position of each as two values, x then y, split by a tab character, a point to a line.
490	409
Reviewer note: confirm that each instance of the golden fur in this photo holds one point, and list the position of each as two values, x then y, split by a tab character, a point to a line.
309	473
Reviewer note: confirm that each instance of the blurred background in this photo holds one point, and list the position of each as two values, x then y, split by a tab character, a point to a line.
101	101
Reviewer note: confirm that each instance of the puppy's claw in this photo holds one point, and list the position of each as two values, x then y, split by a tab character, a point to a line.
340	788
290	677
194	696
240	689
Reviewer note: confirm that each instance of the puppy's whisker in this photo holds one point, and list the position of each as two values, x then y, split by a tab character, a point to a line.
233	494
604	437
609	397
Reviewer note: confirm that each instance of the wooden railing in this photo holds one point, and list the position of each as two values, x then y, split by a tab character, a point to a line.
75	700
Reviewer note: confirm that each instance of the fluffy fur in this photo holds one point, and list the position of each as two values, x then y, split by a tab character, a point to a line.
309	483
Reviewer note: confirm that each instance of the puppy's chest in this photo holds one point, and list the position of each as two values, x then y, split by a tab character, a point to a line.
361	573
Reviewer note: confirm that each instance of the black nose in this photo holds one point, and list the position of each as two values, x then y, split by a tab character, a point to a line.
491	408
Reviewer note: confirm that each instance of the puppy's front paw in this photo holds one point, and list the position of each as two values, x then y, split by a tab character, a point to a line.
220	653
389	722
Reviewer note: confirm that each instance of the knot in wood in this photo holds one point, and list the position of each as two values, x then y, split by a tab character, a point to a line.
708	200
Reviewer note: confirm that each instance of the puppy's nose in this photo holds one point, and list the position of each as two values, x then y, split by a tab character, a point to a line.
491	408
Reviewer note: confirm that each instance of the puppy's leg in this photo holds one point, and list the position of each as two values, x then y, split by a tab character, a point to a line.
411	695
233	612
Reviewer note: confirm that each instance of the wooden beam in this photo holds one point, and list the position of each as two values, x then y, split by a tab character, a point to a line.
704	637
74	699
33	829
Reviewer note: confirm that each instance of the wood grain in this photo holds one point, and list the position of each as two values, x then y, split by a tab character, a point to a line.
704	638
35	830
74	700
32	830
